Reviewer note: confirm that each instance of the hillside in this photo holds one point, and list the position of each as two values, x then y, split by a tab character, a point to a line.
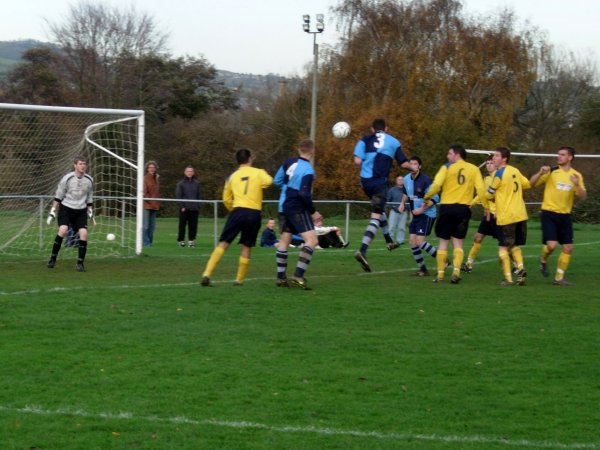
11	52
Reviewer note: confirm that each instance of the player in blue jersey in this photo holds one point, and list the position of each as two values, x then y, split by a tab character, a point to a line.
416	185
297	213
374	154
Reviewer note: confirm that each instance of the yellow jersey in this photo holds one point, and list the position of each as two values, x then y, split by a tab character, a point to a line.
559	193
458	182
491	204
244	188
507	188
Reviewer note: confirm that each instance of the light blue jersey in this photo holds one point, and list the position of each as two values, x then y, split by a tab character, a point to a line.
295	178
377	151
416	189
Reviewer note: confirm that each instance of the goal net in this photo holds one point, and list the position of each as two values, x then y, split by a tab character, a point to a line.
37	147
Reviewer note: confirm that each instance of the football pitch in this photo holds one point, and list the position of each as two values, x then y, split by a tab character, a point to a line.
134	353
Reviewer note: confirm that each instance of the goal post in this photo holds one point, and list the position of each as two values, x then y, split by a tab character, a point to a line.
37	147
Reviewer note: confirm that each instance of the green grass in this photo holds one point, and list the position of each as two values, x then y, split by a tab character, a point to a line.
135	354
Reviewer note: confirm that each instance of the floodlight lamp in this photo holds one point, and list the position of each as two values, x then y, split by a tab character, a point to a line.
320	23
306	18
306	27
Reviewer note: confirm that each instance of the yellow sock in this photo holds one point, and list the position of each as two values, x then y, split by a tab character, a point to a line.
458	254
545	253
442	256
474	251
505	262
563	263
213	261
242	269
517	256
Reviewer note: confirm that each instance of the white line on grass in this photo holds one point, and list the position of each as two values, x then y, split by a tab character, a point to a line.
170	285
476	439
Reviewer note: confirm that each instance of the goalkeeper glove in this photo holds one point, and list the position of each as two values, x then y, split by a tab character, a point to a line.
90	213
51	216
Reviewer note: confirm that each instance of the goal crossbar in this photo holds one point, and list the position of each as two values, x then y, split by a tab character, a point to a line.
489	152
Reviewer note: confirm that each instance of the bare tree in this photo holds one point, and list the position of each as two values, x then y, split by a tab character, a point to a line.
93	37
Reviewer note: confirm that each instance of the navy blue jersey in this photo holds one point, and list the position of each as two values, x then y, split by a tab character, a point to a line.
295	179
416	189
377	152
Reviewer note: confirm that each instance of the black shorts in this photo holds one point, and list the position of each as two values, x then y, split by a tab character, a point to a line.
377	191
512	234
74	218
245	221
421	225
453	221
556	227
488	227
295	222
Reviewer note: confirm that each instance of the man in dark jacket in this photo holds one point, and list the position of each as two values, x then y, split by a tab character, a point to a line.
188	189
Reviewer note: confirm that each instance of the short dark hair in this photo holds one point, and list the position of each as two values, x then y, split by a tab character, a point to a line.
79	158
151	163
379	124
306	144
242	156
571	150
417	159
457	148
504	152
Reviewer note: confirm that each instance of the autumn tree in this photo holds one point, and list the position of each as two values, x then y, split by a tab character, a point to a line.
436	75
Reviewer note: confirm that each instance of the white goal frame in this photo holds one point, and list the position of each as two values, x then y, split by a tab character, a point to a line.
128	114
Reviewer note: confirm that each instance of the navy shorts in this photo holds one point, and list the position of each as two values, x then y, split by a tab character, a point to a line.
377	190
296	222
75	218
512	234
488	227
245	221
453	221
556	227
421	225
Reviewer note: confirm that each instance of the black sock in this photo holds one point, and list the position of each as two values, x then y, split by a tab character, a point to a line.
56	247
82	251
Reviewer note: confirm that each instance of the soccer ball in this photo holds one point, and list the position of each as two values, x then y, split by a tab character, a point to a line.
341	130
110	237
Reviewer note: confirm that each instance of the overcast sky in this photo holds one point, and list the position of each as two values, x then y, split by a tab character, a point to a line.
265	36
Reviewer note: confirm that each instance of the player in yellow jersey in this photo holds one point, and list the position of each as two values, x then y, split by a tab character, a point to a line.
457	180
242	196
487	226
563	184
511	215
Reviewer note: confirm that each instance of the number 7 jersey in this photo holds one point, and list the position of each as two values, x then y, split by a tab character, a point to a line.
244	188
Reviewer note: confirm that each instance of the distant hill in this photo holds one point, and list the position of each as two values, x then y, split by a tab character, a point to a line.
11	52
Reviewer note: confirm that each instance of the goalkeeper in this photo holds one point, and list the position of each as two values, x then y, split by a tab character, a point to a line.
74	196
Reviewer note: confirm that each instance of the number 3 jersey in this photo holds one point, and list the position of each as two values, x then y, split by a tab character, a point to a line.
377	151
507	190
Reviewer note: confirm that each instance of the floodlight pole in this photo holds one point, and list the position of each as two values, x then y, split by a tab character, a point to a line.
320	27
313	104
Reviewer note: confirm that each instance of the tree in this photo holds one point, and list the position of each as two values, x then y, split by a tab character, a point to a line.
93	37
39	80
554	102
436	75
